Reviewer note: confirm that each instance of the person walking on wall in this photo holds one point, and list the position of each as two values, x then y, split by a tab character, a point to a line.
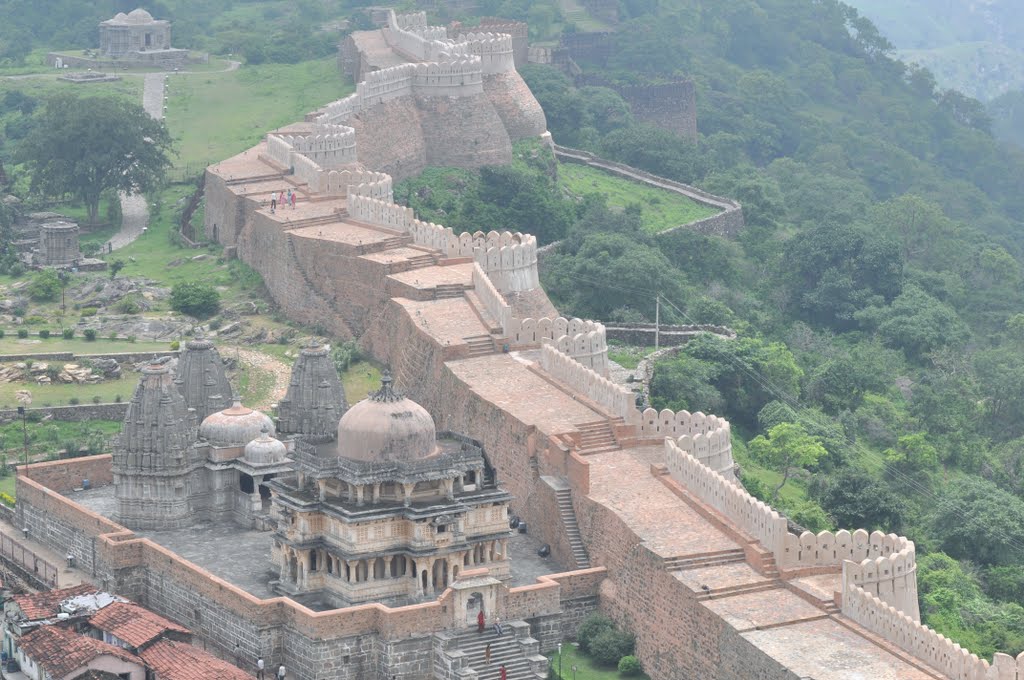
260	667
292	198
273	201
504	673
497	625
487	654
280	672
480	622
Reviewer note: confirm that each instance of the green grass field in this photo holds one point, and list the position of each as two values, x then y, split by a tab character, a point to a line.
213	116
661	209
11	344
359	380
60	394
585	668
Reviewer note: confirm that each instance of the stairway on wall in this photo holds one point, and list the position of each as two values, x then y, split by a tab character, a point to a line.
572	528
449	290
480	345
597	437
712	559
506	650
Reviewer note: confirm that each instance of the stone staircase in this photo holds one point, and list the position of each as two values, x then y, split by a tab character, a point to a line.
480	345
713	559
421	261
514	649
596	437
572	528
742	589
393	242
448	290
330	218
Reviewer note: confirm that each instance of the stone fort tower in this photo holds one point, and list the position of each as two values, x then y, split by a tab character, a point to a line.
315	400
201	379
153	456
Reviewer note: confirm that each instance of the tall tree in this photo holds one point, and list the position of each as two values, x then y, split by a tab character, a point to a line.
87	145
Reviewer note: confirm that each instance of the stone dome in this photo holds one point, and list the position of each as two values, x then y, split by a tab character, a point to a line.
234	426
138	16
265	450
386	426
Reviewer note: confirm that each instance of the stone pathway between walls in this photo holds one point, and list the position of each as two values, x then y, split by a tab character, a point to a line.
134	210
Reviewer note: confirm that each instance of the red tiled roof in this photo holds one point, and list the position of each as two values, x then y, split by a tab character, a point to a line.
132	623
178	661
93	674
47	603
59	651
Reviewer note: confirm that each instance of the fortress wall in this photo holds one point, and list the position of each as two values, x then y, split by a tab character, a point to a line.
519	110
273	254
891	578
670	106
225	211
739	507
706	438
494	304
494	49
390	138
459	77
614	399
517	30
509	259
465	133
924	643
65	475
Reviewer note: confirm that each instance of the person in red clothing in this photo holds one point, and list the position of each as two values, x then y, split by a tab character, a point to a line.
480	622
504	673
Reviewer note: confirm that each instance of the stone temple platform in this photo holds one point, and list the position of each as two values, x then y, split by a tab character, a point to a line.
243	556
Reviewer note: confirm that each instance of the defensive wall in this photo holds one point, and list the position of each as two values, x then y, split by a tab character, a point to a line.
525	403
671	106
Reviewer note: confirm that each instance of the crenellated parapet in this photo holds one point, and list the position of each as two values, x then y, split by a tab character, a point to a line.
707	438
922	642
494	49
891	577
509	259
328	145
613	398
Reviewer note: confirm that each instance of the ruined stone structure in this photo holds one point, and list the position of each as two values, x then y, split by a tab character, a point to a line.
138	38
58	244
390	512
710	579
315	400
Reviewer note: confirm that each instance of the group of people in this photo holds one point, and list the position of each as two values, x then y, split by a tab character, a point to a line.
481	625
284	198
261	669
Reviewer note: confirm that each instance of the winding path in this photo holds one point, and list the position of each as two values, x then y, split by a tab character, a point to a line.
134	209
280	370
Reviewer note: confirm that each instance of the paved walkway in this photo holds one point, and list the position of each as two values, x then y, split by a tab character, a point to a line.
66	577
134	210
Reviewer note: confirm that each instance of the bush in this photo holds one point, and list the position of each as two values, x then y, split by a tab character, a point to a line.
68	333
1	333
44	334
629	666
7	499
90	334
175	345
74	401
591	628
128	305
89	311
131	338
215	324
96	399
117	398
610	646
195	299
23	333
44	286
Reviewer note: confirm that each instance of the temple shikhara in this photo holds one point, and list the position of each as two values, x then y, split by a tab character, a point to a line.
497	468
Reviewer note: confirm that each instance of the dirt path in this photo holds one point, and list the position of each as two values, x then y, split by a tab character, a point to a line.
281	371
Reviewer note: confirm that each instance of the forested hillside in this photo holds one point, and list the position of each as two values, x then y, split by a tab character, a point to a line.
877	288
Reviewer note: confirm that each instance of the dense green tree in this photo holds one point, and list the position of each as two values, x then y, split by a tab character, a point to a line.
87	145
195	298
856	500
787	446
977	520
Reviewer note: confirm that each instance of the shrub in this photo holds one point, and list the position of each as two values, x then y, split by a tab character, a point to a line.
175	345
610	646
90	334
44	334
131	338
74	401
128	305
44	286
68	333
112	336
117	398
96	399
195	299
89	311
629	666
215	324
7	499
1	333
592	626
22	332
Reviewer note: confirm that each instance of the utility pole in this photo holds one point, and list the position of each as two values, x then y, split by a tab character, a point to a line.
657	323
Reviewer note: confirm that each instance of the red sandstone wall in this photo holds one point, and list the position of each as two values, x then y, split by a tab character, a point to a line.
65	475
465	132
518	109
389	138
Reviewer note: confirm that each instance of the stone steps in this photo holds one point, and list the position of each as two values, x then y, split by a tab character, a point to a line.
506	651
596	437
572	528
480	345
449	290
705	560
421	261
732	591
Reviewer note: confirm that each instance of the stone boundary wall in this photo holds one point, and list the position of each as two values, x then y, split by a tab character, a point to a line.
922	642
120	357
413	38
329	146
642	334
727	223
63	476
232	619
739	507
613	398
75	414
892	578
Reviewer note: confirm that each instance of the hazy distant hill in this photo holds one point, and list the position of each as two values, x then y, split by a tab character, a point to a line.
975	46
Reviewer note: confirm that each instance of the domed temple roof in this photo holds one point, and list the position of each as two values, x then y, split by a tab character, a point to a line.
235	426
265	450
386	426
137	16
